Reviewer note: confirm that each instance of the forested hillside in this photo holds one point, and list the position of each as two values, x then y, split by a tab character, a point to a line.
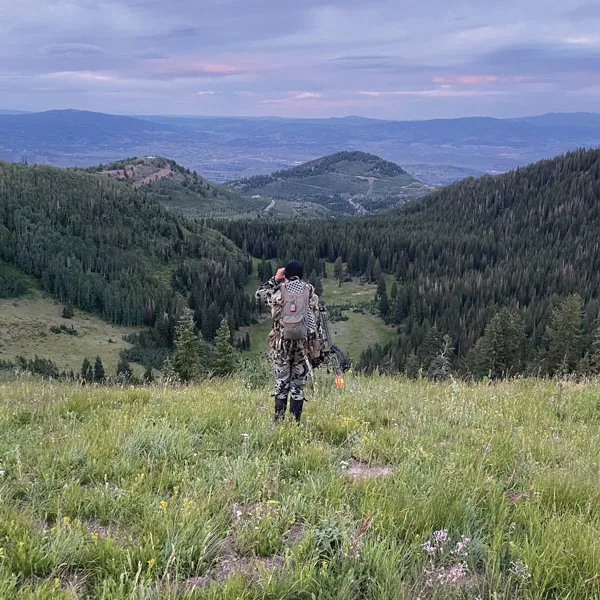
524	241
115	251
345	183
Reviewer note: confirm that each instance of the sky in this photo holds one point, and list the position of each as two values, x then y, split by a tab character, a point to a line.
314	58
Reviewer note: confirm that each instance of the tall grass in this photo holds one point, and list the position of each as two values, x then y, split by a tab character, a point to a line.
130	493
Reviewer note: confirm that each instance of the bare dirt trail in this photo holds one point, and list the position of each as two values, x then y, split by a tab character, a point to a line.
271	206
370	180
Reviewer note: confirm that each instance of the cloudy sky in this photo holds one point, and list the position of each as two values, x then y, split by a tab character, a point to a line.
309	58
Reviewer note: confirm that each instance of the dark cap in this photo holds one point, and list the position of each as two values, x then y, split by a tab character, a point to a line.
294	269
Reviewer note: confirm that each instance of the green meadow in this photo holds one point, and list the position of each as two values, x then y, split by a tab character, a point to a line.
390	489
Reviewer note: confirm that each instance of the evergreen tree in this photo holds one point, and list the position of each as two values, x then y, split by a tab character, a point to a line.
381	286
124	372
564	336
412	366
99	375
148	375
500	352
188	360
394	291
377	270
441	366
67	312
247	341
315	281
338	268
224	359
87	372
384	307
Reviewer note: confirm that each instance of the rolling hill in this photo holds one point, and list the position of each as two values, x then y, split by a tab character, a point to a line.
180	189
345	183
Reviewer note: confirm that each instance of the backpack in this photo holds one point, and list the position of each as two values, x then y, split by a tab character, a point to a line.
294	316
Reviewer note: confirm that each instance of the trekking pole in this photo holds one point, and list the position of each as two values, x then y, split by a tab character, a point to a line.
335	357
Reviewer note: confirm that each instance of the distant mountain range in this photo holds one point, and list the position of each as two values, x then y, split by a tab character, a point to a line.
230	148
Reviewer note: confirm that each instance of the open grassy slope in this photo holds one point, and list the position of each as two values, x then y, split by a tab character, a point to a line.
25	329
149	493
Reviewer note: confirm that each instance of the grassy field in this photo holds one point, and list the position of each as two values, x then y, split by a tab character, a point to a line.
390	490
25	329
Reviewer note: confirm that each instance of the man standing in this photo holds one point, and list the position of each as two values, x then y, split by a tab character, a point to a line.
294	341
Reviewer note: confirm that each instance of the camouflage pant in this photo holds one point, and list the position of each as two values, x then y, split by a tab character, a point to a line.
291	373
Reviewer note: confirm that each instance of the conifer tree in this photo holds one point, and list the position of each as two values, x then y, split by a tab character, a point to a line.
500	352
99	375
377	270
381	286
247	341
67	312
338	268
384	306
188	361
87	372
124	372
224	358
148	376
564	336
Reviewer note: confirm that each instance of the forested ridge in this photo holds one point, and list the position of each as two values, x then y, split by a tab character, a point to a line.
524	241
114	251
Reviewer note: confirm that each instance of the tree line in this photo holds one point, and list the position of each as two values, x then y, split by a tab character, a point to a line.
500	253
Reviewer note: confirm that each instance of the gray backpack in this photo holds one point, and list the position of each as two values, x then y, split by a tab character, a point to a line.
294	317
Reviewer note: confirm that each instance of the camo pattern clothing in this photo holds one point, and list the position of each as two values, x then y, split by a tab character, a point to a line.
291	358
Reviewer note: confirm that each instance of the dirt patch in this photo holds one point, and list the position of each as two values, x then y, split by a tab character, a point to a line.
296	532
250	567
357	470
96	528
160	174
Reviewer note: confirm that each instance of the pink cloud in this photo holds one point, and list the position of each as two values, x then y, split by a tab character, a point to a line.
441	92
476	79
184	67
467	79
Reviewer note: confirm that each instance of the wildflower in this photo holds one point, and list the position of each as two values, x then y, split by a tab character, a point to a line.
163	505
2	473
66	520
95	537
246	436
520	570
461	546
151	563
440	537
429	548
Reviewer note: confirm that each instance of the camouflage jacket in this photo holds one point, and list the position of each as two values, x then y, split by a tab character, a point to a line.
270	293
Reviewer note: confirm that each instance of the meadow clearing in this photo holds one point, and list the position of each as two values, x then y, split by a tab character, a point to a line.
390	489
